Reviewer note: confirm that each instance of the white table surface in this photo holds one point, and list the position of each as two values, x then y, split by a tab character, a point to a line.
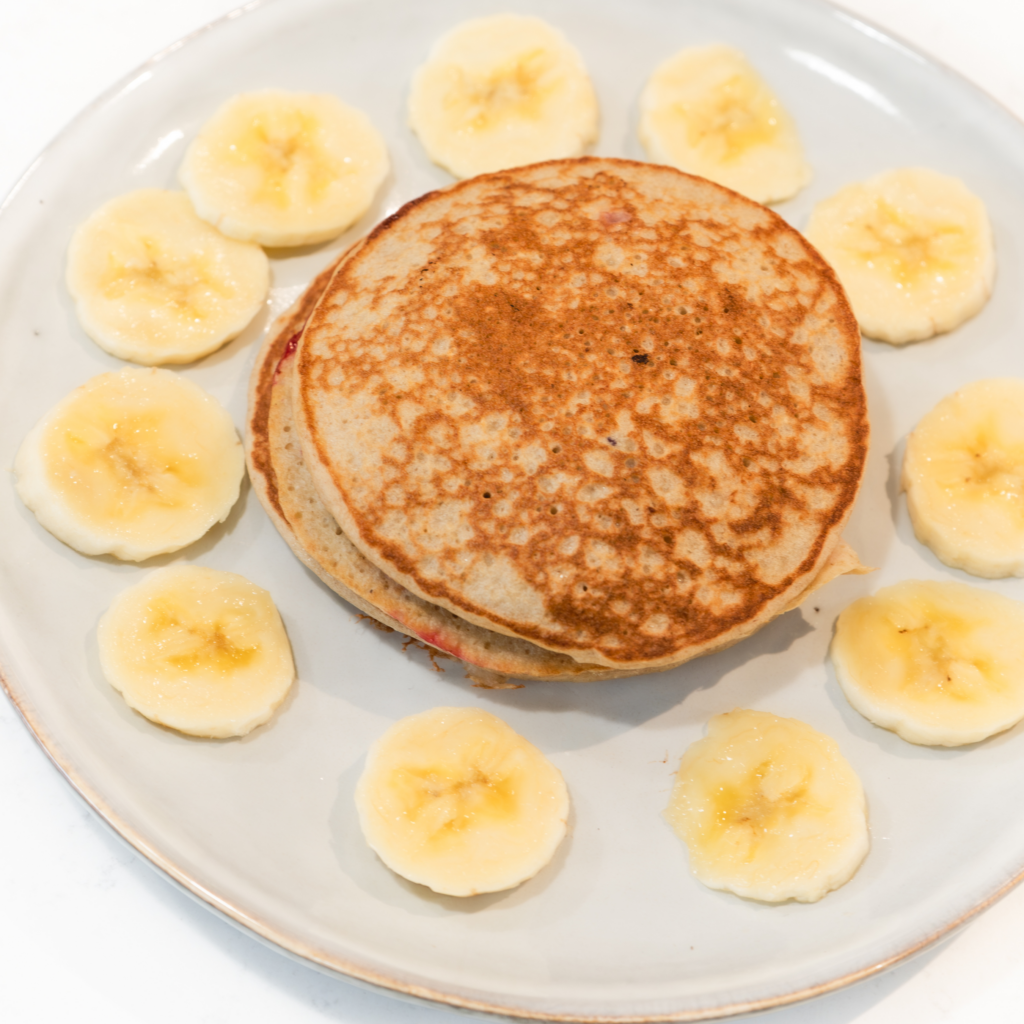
89	932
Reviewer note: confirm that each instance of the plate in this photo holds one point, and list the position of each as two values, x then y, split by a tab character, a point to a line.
263	829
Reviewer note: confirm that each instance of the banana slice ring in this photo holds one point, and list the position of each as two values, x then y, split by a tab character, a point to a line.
769	809
456	800
940	664
913	249
200	651
155	284
963	472
134	464
283	168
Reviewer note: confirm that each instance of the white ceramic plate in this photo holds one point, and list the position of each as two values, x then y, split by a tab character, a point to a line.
263	829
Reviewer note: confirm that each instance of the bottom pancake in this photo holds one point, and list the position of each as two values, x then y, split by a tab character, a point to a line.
285	488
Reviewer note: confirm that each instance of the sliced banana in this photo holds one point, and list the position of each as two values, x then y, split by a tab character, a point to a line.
963	472
456	800
134	464
769	809
913	249
708	112
499	92
284	168
197	650
154	283
937	663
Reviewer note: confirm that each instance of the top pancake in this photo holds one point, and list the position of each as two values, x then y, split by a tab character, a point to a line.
605	406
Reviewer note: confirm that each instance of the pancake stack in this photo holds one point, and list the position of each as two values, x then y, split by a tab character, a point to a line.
576	420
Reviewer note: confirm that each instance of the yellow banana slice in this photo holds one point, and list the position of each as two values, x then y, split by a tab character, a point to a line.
197	650
769	809
963	472
284	168
134	464
499	92
937	663
913	249
456	800
155	284
707	111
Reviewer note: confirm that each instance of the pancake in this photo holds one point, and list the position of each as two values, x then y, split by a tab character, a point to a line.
285	488
602	406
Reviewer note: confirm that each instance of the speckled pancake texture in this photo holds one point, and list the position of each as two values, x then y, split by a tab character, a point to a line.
603	406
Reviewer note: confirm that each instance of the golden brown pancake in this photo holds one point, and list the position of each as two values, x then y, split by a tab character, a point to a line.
603	406
285	488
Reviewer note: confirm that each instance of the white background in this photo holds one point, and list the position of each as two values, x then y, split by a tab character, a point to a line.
88	931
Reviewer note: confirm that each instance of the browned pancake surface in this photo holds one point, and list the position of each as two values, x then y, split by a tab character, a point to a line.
603	406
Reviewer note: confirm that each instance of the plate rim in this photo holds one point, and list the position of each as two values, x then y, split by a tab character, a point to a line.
293	945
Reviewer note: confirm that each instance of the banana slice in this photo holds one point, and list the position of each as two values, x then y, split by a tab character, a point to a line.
769	809
456	800
963	472
708	112
134	464
155	284
284	168
913	249
937	663
197	650
499	92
